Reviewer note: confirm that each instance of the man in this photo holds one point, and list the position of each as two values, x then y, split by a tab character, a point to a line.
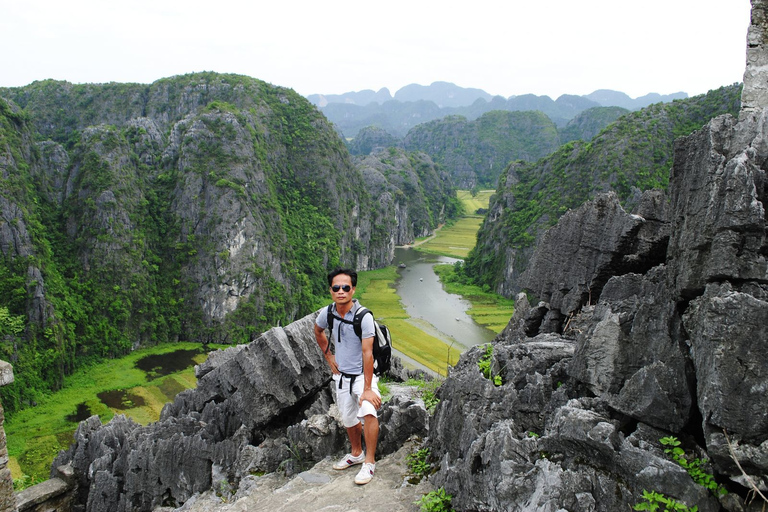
357	393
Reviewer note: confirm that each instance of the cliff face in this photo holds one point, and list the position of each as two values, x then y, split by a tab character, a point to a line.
410	191
202	207
631	155
476	152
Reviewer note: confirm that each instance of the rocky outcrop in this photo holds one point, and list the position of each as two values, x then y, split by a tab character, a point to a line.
755	92
321	488
257	408
7	498
588	246
669	342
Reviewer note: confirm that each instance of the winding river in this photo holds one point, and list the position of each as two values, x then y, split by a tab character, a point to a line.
424	298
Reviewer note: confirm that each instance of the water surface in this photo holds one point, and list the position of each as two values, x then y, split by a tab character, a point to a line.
158	365
424	298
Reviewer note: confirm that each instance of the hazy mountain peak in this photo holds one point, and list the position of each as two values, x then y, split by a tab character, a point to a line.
443	94
610	98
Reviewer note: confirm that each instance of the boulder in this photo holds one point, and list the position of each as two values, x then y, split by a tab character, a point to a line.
598	240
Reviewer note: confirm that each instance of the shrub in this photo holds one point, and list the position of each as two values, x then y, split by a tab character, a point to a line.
417	462
484	363
693	466
436	501
657	502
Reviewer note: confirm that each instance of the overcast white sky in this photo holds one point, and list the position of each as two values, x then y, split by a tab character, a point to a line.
505	47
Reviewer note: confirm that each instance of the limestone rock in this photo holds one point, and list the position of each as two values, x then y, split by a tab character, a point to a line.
260	408
589	245
321	487
755	92
718	190
728	332
673	345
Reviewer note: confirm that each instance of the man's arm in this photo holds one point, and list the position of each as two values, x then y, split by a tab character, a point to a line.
368	393
322	341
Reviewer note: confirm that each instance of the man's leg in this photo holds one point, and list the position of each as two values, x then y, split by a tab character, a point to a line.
355	435
371	438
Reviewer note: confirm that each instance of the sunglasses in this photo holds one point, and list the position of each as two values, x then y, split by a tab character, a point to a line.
344	287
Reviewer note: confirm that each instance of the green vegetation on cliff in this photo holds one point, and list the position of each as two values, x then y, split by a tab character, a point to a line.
203	207
587	124
631	155
476	152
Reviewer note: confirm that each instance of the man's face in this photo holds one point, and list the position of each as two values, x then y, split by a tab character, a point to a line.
341	289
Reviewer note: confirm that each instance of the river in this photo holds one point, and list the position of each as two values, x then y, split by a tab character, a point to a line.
424	298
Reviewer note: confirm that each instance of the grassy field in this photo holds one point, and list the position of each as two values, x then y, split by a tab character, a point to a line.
36	435
454	240
472	204
457	239
488	309
376	290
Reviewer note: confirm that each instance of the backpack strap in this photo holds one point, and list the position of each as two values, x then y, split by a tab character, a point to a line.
329	318
357	324
357	321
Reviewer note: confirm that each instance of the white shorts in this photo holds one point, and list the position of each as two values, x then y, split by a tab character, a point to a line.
349	404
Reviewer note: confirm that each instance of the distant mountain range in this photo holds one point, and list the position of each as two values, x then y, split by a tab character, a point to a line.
447	94
415	104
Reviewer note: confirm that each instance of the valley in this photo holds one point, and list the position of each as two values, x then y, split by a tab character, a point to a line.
121	386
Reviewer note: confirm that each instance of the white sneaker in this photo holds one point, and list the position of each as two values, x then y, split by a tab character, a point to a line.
349	460
365	474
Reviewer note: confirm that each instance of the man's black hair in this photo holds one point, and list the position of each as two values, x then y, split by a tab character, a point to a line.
346	271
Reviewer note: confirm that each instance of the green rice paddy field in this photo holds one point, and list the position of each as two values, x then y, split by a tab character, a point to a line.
35	435
457	239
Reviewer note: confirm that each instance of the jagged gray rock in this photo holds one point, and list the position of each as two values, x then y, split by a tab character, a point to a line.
720	234
629	343
755	92
257	408
575	259
321	488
